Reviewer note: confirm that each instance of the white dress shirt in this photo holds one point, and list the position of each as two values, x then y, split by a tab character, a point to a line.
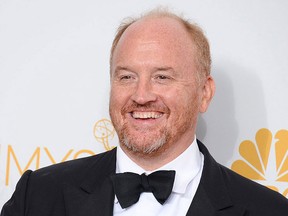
188	167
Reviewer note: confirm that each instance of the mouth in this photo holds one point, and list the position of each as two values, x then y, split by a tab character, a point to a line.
146	115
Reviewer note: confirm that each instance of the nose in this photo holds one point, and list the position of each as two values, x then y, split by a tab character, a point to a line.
143	93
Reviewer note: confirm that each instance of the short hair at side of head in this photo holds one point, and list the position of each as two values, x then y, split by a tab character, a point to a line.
202	58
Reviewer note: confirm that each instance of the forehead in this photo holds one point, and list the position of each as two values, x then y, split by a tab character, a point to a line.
163	33
153	26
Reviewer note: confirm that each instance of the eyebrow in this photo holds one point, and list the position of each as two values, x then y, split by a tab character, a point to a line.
118	68
155	69
163	68
166	69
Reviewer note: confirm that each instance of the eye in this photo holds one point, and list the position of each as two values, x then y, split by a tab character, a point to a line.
125	77
162	77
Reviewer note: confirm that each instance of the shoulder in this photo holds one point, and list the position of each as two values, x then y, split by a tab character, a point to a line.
41	192
257	199
72	171
254	196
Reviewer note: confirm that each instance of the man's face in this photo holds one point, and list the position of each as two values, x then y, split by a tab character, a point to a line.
155	92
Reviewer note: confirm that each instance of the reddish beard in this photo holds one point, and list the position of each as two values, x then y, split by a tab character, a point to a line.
141	140
147	142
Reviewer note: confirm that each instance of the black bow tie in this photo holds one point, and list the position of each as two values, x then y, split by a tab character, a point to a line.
128	186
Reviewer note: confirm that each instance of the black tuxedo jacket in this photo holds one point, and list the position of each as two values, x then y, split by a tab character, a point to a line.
82	187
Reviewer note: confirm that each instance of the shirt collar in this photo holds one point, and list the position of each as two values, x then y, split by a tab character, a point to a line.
187	165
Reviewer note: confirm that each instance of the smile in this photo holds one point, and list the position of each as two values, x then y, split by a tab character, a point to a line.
146	115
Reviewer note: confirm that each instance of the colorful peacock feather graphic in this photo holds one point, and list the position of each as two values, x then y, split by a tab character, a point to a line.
257	156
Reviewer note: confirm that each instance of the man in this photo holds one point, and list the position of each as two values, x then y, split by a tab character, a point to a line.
160	82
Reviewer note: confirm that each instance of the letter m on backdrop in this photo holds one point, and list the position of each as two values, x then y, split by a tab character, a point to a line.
12	156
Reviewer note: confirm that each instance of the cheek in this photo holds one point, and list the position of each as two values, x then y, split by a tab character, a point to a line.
115	110
119	97
179	99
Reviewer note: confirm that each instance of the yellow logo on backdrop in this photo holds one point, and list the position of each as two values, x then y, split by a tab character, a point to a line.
263	156
104	132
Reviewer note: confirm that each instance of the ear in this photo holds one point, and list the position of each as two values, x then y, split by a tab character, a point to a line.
208	90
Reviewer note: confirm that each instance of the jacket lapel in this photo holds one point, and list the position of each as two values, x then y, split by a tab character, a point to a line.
95	194
201	205
212	196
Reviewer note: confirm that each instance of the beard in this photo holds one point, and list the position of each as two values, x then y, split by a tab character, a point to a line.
146	142
140	140
150	141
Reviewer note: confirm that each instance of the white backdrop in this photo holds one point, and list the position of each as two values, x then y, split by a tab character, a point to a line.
54	83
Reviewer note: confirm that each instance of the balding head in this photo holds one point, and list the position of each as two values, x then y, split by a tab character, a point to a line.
200	45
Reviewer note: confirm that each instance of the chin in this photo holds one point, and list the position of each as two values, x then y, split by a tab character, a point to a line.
143	144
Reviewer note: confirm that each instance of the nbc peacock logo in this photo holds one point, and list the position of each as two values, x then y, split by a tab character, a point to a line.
265	160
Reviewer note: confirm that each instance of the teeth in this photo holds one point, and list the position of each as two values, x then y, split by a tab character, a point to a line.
146	115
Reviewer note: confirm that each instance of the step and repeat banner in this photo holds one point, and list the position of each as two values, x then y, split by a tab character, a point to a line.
54	83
